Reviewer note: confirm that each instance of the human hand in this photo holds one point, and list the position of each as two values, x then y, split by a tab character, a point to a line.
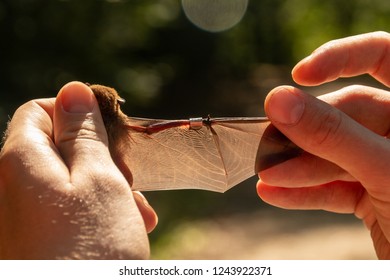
345	133
61	195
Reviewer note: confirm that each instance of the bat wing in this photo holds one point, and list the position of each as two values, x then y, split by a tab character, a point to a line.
237	142
215	156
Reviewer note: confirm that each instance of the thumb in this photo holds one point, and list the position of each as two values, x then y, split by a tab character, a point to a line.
325	131
79	130
81	138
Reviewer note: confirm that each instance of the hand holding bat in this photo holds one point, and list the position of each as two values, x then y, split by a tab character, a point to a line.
347	170
61	195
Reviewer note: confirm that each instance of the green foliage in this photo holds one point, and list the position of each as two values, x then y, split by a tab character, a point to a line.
309	23
153	55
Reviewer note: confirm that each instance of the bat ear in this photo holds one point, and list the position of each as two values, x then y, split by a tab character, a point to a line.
121	101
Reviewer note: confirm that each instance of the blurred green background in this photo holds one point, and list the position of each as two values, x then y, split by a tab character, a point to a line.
165	67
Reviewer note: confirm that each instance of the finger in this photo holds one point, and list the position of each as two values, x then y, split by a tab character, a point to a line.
79	132
351	56
29	145
305	170
147	212
33	118
338	196
81	138
324	131
82	141
368	106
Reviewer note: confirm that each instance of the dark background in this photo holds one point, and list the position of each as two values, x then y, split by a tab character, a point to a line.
165	67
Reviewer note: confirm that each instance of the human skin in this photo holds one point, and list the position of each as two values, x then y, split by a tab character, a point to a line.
61	195
345	133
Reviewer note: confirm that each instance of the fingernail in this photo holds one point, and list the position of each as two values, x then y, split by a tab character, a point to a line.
148	214
141	198
77	98
285	106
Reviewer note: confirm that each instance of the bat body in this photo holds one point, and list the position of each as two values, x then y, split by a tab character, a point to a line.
200	153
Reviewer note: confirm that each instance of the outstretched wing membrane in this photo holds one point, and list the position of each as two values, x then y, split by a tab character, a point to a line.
209	154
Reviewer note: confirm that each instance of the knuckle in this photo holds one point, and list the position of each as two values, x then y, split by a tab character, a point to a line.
353	90
347	94
354	94
326	131
80	130
382	34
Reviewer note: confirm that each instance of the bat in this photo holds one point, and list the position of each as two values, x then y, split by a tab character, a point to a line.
212	154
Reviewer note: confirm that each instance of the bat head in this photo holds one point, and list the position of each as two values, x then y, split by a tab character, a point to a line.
114	120
109	103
